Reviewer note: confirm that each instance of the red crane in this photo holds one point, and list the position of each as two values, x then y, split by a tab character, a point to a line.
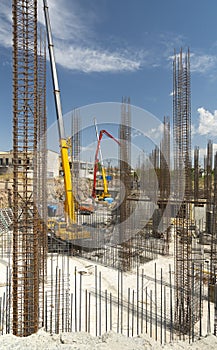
105	193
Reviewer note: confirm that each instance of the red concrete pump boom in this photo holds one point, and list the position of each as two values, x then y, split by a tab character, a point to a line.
105	193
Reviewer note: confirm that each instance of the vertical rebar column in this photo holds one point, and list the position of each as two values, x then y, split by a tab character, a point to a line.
196	173
165	180
153	173
213	265
76	149
125	169
208	186
165	161
142	172
42	168
25	125
76	142
182	165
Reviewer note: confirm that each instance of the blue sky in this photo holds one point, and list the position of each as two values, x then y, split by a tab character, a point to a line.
112	48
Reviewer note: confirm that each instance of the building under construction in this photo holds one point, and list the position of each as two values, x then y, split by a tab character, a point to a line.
58	241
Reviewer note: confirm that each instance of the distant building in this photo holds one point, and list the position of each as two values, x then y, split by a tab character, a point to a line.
53	165
81	169
6	162
85	169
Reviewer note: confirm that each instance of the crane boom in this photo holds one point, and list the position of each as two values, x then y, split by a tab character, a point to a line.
105	193
69	199
54	73
101	161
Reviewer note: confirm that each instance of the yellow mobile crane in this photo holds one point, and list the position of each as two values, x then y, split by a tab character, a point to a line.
69	198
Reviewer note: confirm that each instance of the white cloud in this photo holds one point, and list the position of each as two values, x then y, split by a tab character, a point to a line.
78	47
156	133
169	40
93	60
74	39
199	63
66	21
193	130
207	122
75	43
203	153
136	133
202	63
6	24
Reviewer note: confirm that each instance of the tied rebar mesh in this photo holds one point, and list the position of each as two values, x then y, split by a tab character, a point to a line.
25	278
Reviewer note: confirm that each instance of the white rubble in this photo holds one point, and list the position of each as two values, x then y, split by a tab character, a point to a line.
84	341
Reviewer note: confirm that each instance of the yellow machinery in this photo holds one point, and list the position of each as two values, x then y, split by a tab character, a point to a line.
105	193
68	227
71	232
69	200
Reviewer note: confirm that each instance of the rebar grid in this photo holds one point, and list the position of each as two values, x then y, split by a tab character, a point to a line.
25	125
